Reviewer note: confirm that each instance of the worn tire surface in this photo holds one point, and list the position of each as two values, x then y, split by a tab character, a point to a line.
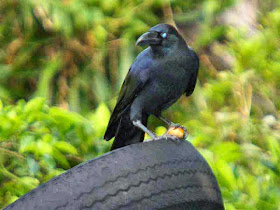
161	174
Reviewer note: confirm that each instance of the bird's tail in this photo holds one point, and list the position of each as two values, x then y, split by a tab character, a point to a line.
127	133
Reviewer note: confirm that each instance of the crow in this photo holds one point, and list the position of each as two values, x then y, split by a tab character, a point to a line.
159	76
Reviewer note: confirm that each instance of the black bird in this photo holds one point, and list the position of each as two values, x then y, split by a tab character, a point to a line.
158	77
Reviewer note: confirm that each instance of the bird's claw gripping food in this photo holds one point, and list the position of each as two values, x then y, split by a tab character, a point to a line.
178	131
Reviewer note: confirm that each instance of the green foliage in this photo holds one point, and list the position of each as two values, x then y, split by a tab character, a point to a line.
75	54
235	121
38	142
67	50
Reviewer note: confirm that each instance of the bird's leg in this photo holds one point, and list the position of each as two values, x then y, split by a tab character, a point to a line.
169	123
173	126
139	124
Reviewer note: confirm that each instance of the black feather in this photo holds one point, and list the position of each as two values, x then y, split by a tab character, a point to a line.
160	74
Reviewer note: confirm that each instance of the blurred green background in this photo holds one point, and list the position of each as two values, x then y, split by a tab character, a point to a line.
62	63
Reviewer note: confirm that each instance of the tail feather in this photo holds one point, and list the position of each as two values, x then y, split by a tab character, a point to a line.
127	133
114	123
111	130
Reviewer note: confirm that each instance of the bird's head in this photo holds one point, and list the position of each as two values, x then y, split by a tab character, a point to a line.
161	36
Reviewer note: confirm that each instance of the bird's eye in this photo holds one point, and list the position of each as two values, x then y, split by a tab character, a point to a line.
163	35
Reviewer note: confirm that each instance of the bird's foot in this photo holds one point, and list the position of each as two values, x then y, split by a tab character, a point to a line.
153	135
178	131
168	136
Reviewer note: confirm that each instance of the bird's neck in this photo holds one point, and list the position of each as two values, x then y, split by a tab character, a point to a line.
159	51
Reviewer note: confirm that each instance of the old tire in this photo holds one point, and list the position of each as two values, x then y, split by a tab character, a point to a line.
161	174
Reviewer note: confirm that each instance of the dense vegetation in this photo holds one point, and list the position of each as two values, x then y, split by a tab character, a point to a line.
62	63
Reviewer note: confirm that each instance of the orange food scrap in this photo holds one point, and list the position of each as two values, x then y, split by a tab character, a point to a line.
178	132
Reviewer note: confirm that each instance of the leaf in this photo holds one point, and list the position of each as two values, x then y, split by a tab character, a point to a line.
227	151
34	105
253	187
225	174
64	116
30	181
100	119
28	144
60	159
65	147
32	165
44	147
160	130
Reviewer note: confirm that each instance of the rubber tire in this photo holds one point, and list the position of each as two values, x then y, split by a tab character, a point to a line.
160	174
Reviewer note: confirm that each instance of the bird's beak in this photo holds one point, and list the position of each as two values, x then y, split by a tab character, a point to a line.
149	38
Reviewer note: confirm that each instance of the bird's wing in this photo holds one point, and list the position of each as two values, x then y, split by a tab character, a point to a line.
193	77
132	85
191	84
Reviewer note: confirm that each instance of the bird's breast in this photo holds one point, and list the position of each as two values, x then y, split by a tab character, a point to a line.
163	90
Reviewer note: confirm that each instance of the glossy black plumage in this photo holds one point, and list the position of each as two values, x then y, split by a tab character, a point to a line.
160	74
